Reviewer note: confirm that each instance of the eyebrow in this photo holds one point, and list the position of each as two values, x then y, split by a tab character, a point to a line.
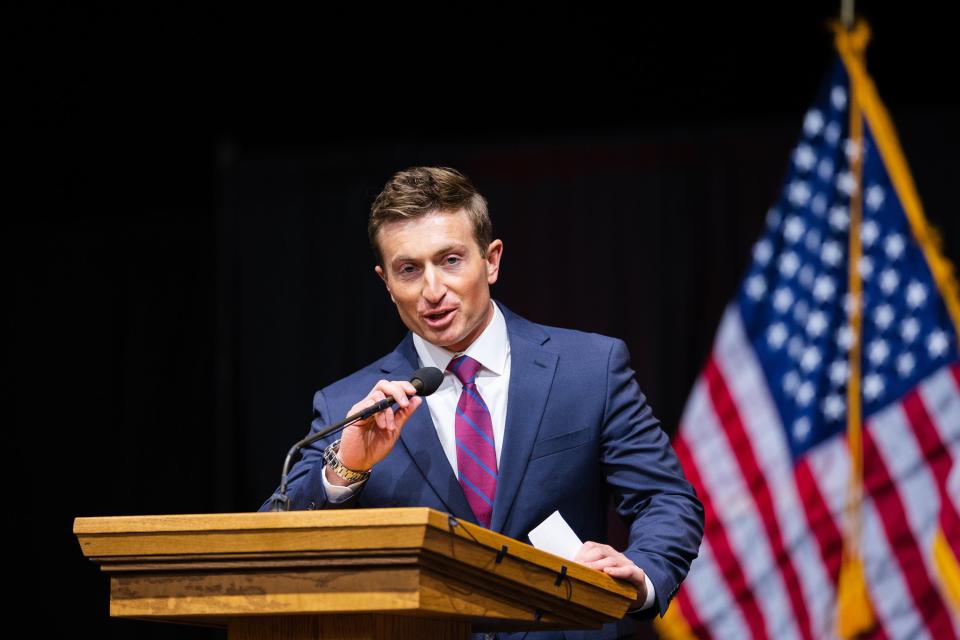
450	248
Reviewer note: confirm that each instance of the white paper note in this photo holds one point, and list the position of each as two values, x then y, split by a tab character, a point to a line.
555	536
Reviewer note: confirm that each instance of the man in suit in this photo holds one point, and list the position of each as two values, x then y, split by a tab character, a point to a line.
529	419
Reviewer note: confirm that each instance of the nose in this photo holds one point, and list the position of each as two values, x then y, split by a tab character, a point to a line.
433	286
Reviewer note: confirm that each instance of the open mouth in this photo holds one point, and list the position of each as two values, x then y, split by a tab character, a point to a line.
438	317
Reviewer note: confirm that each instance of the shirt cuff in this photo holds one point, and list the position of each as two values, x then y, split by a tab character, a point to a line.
651	594
337	493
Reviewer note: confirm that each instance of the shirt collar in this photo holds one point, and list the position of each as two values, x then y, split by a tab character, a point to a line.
490	348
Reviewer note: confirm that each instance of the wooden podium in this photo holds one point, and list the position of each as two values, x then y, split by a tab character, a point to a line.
351	573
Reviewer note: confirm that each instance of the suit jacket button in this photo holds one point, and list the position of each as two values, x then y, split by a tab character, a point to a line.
311	505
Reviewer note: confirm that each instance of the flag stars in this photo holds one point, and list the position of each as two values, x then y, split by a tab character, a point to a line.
790	382
813	122
878	352
889	280
846	183
874	197
801	428
937	343
800	311
817	324
839	217
865	266
804	157
916	294
894	245
810	359
782	299
905	364
883	316
845	337
756	286
832	253
812	241
869	233
788	264
909	330
777	334
762	252
825	169
873	386
838	97
832	133
824	288
839	372
806	276
834	407
795	347
798	193
805	393
793	229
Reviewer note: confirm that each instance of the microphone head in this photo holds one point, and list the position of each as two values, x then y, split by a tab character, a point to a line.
426	380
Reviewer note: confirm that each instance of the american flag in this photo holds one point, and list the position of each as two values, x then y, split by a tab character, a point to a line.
763	436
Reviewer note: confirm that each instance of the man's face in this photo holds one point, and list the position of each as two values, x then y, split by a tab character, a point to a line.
437	278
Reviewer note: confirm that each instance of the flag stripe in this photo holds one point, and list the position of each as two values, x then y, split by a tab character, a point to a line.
829	465
933	449
689	613
716	537
941	398
758	489
879	485
745	381
736	511
822	524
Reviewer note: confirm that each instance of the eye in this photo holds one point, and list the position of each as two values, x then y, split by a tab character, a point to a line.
406	270
452	260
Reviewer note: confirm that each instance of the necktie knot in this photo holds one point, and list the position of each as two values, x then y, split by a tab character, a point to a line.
465	368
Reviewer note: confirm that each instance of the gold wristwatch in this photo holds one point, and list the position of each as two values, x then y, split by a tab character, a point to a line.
332	460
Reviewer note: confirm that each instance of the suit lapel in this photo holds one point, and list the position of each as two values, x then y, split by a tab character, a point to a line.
419	437
531	375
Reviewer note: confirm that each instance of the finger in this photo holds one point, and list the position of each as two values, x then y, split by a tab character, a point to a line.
390	420
404	414
397	391
372	398
593	551
629	573
604	563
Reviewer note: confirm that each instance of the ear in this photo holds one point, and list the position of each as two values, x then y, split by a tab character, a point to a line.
494	253
383	276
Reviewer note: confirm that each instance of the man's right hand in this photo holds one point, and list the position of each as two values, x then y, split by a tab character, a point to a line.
367	442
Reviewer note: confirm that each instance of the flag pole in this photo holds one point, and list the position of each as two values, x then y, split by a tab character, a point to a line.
854	612
847	14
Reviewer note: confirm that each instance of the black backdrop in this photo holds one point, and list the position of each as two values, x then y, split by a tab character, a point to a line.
186	243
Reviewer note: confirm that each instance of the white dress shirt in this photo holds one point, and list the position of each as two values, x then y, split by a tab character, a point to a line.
492	350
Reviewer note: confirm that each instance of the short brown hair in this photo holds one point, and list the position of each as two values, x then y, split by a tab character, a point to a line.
418	191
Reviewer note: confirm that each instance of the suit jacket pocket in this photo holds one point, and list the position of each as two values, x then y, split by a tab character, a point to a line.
564	441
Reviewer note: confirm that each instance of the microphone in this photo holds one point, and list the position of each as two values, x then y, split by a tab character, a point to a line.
425	381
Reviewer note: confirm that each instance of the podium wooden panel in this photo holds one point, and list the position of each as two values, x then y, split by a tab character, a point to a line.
351	573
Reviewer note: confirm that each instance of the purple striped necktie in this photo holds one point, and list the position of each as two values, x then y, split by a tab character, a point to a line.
476	455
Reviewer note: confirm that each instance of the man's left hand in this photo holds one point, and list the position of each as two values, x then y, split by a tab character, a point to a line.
605	558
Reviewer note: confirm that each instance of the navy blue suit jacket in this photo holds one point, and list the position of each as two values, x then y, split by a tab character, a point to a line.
578	432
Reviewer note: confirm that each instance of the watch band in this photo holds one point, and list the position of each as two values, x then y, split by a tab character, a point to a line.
332	460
